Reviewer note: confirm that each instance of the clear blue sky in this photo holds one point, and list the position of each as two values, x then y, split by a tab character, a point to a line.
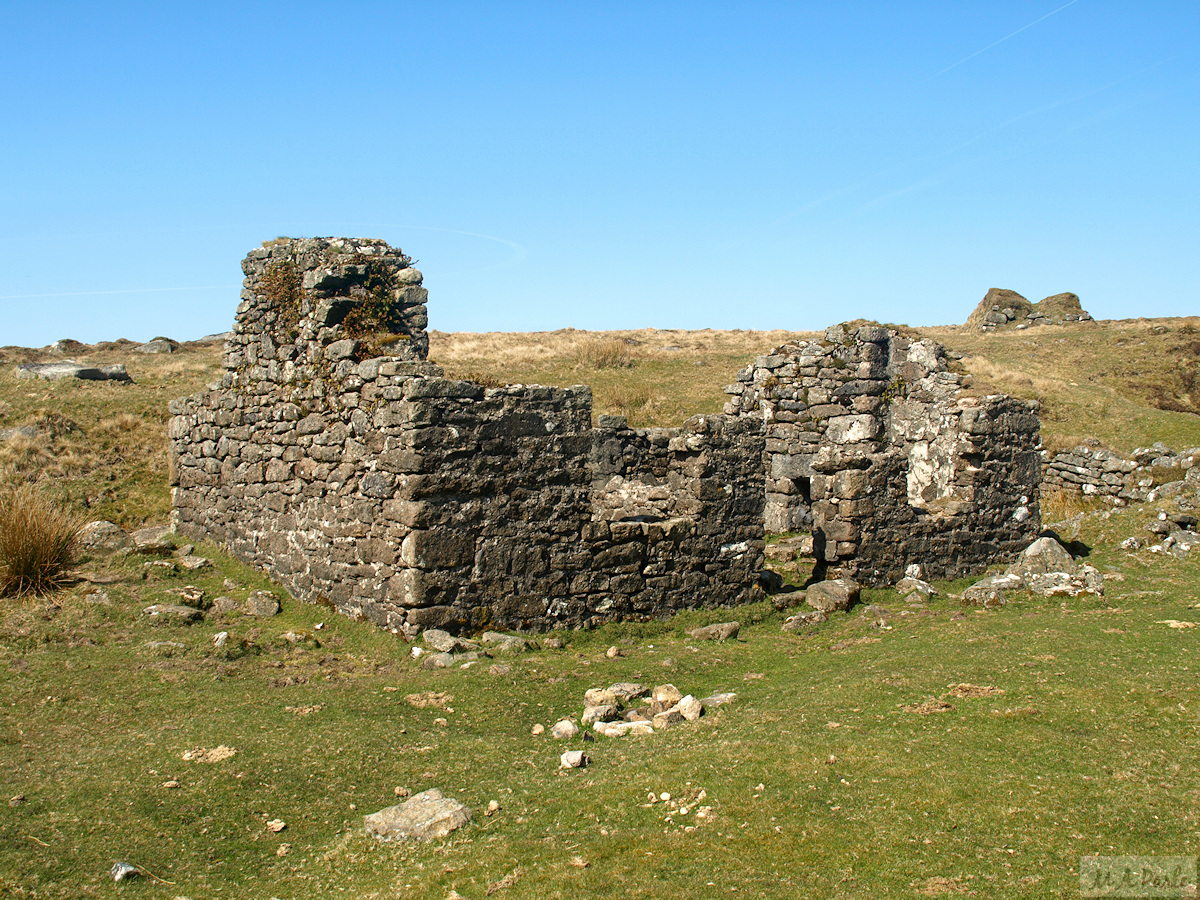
602	165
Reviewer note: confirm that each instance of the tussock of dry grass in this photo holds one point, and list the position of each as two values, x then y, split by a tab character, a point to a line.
604	353
37	542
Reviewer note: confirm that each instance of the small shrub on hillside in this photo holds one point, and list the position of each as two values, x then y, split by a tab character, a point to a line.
38	540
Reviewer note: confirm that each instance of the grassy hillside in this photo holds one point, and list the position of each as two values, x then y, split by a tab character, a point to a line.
853	763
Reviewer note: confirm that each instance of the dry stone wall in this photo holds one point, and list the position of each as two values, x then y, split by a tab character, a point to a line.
333	455
871	443
1096	471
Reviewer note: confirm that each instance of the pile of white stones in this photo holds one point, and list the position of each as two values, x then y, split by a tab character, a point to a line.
629	708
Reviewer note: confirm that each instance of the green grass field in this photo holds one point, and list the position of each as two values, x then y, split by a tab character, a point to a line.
829	776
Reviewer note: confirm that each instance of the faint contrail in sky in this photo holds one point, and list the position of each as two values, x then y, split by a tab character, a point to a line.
211	287
1003	39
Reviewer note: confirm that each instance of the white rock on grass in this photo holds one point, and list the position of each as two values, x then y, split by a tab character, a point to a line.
563	729
620	729
573	759
690	708
422	817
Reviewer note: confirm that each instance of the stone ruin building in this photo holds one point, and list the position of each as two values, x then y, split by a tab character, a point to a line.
872	443
335	457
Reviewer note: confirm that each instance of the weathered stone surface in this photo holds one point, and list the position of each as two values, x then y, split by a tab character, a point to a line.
838	594
690	708
153	540
173	613
573	759
445	642
505	643
342	462
157	345
992	591
58	371
1044	555
666	693
872	444
593	714
261	603
426	816
625	691
721	631
1001	307
620	729
564	729
103	539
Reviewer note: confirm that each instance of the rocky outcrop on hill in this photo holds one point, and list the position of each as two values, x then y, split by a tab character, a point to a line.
1001	308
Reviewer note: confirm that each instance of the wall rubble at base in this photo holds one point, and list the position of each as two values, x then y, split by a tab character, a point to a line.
414	500
871	442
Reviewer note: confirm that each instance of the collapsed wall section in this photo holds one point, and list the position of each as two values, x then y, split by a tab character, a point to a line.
412	500
872	444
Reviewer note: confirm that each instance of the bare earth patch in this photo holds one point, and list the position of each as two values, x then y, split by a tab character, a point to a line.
965	690
939	885
200	754
929	707
426	699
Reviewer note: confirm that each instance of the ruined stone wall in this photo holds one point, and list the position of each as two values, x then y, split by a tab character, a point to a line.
1096	471
375	484
871	444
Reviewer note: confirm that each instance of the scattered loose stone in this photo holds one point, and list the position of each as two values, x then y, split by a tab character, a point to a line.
423	817
666	693
612	652
189	595
122	870
625	691
599	697
224	605
444	642
537	729
153	540
492	808
722	631
505	643
276	825
103	539
691	708
553	643
714	700
565	728
620	729
594	714
499	669
989	592
261	603
804	620
829	596
668	717
573	759
173	613
192	563
57	371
